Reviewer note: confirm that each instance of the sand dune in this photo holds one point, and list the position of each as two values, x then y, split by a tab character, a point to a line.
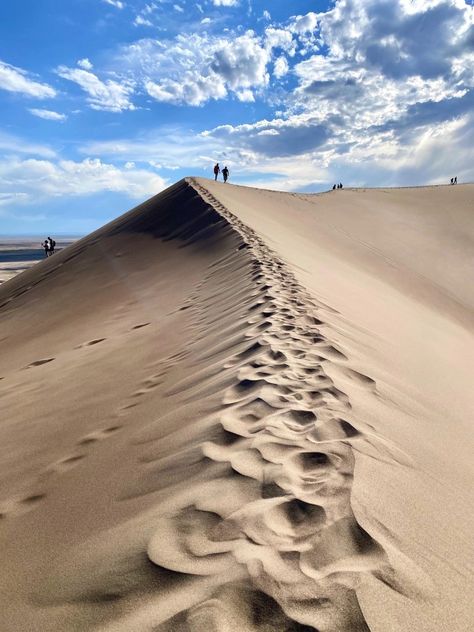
236	409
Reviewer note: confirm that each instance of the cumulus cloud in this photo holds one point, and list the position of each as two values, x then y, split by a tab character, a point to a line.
41	179
48	115
108	95
15	79
378	84
195	68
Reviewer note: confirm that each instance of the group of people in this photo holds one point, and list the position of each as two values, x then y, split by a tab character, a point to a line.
217	170
454	180
49	245
337	186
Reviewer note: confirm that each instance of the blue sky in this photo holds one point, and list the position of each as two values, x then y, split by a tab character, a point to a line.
106	102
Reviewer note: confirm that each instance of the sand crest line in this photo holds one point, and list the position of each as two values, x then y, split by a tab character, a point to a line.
292	437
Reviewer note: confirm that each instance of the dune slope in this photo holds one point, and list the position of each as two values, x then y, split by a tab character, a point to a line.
241	409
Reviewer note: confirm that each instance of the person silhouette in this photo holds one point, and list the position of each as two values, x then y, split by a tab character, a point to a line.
216	170
456	180
334	187
52	245
225	173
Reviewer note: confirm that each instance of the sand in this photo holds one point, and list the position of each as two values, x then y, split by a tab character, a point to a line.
237	409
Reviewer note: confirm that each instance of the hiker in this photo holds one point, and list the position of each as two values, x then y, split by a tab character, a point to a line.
340	185
45	245
216	170
52	245
456	180
452	180
334	188
225	173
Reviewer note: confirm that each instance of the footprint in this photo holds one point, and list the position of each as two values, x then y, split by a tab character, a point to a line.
88	439
111	429
98	435
94	342
32	499
140	326
67	463
39	362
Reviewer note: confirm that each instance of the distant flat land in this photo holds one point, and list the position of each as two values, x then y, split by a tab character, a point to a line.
19	253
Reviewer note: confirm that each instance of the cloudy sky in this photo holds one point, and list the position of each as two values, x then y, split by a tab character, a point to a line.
106	102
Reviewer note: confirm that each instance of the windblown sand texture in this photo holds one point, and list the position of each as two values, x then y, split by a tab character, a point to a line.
237	409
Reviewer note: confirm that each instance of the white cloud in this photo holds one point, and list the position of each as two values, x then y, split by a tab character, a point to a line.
49	115
245	96
15	79
115	3
194	68
41	179
13	145
206	21
166	147
178	8
305	23
141	21
280	38
106	95
225	3
149	8
281	67
8	199
374	100
85	64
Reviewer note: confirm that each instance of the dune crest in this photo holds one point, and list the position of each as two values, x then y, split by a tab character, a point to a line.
202	473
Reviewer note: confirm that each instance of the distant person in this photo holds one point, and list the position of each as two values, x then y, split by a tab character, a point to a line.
46	245
340	185
452	180
52	245
334	188
456	180
217	170
225	173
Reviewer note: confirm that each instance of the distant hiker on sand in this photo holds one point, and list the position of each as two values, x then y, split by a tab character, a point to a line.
49	245
216	170
334	188
452	180
456	180
225	174
340	185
